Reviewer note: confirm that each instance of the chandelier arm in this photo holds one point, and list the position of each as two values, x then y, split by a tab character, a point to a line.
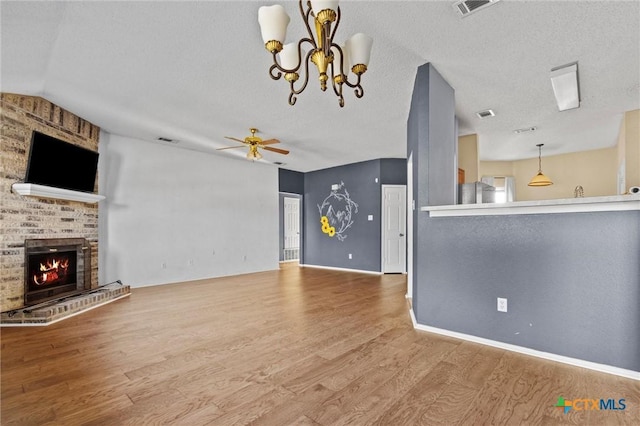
333	33
305	18
356	84
357	87
272	68
338	90
359	91
292	97
276	65
336	84
341	58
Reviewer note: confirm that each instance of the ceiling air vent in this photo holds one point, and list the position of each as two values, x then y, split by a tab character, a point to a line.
162	139
466	7
485	114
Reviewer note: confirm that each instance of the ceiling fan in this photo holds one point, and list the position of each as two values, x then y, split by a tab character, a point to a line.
254	143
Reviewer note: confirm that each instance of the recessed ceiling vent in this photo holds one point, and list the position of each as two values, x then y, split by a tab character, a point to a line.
485	114
467	7
525	130
162	139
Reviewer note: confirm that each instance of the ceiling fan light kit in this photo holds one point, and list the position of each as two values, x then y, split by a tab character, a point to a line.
332	60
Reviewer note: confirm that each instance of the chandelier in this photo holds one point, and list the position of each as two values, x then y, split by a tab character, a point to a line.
332	61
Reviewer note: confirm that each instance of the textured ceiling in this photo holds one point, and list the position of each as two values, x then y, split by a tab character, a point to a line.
197	71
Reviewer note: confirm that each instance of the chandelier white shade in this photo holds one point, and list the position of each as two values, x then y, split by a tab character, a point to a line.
273	22
320	5
333	62
289	56
359	48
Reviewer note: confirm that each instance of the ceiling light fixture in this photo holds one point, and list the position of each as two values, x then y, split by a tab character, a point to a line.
324	52
540	179
253	153
564	81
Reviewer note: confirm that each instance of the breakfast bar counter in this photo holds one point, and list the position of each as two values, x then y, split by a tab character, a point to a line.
564	205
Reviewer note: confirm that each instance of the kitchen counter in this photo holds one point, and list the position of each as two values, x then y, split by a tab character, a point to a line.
564	205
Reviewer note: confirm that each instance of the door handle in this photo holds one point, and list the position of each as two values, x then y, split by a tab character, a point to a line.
402	235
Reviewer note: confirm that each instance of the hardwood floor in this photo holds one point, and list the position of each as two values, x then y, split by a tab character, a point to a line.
298	346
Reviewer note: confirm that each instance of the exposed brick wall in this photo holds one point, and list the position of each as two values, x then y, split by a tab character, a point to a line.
31	217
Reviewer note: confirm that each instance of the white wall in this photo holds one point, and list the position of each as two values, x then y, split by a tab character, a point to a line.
172	206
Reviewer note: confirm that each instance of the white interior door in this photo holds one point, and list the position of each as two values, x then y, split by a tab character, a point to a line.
394	228
291	228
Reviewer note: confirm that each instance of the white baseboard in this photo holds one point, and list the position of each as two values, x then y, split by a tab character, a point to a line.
603	368
360	271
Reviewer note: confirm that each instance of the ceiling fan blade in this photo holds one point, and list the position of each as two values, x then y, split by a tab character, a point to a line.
278	150
229	147
234	139
270	142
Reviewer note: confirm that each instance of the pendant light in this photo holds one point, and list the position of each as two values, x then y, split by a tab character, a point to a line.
540	179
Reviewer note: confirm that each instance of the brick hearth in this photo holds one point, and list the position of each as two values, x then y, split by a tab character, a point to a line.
50	312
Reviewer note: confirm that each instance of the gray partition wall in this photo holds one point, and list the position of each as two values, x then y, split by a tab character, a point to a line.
572	280
431	143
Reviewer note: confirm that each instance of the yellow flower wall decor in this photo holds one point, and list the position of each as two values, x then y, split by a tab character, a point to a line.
337	212
326	228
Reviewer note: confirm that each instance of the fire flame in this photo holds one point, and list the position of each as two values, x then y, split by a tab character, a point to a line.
52	271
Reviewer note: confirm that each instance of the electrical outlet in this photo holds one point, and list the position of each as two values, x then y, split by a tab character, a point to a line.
502	304
350	256
163	265
190	262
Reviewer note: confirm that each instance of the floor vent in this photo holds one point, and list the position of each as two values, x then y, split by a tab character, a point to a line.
291	253
466	7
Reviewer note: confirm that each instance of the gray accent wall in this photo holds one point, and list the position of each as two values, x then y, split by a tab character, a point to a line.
290	181
572	281
393	171
363	238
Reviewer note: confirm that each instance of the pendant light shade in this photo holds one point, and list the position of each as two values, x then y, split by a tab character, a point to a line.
540	179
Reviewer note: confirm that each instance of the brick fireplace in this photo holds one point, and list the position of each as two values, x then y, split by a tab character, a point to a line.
27	219
55	267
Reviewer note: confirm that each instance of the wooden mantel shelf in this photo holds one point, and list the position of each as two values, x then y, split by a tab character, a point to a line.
566	205
35	190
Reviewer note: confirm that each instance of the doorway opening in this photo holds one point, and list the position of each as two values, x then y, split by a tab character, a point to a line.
290	227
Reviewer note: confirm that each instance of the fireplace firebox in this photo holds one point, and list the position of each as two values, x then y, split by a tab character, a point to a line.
55	268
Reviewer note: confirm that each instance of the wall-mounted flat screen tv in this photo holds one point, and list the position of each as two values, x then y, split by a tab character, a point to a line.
54	162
